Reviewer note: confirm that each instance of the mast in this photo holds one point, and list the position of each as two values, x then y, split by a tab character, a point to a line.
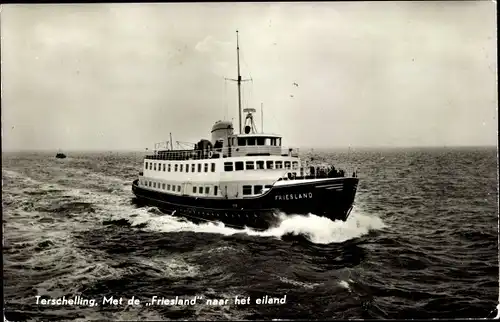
239	78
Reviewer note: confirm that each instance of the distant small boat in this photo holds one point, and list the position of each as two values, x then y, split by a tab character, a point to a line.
60	155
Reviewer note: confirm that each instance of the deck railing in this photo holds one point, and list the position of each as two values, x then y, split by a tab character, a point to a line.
226	152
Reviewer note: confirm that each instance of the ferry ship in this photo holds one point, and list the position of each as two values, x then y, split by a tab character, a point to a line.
241	178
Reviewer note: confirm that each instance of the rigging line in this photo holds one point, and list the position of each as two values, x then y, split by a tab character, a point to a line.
277	123
242	57
225	99
245	63
242	93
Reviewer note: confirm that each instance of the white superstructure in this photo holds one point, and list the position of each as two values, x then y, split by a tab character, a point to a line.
230	165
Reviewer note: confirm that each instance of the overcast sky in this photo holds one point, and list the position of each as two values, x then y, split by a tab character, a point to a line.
122	76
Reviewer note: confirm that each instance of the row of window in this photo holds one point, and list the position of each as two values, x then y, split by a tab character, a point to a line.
257	189
228	166
178	167
199	190
164	186
177	188
204	190
257	141
251	165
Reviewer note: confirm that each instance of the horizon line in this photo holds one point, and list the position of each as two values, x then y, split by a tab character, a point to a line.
300	148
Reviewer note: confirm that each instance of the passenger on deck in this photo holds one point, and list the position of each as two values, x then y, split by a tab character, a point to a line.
332	173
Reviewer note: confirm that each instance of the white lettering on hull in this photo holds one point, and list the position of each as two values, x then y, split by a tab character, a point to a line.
294	196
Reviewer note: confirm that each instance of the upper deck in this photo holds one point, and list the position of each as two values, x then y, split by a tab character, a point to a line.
224	152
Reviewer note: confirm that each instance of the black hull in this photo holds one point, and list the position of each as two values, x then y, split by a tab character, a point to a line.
332	198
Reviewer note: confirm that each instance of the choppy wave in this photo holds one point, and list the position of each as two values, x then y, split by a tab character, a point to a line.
421	242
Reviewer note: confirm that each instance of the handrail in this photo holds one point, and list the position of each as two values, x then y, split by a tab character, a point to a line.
225	152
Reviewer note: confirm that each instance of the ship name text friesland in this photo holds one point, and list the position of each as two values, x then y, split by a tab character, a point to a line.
295	196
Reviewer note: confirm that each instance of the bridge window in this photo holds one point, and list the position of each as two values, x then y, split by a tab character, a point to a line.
163	186
207	190
279	164
169	167
228	166
194	189
268	186
154	166
168	186
176	166
193	166
215	190
178	188
206	167
238	166
154	184
146	166
247	190
213	167
287	164
257	190
180	167
163	167
187	167
270	164
250	165
241	142
199	167
295	165
260	164
251	141
261	141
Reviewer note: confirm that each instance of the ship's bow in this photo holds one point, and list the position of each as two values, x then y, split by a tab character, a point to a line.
335	200
332	198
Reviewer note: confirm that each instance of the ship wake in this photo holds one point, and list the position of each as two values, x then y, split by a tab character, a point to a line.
316	229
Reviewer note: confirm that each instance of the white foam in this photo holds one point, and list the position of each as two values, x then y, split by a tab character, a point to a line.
319	230
344	284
